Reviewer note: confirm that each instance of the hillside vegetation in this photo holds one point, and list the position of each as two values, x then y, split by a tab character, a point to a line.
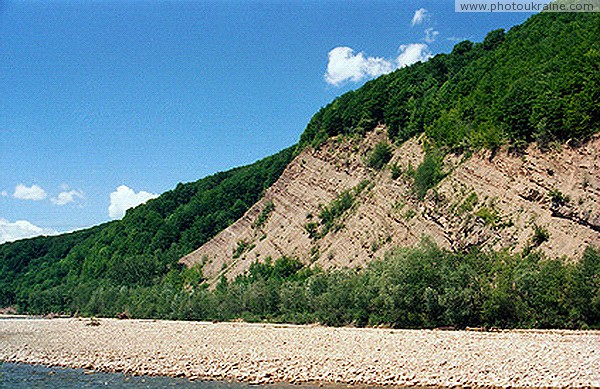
538	82
421	287
71	272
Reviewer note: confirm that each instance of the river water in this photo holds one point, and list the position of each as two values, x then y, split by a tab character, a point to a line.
32	376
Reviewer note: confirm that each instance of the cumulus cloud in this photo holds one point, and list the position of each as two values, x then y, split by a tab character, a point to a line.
124	198
345	65
21	229
412	53
68	196
431	35
33	192
419	17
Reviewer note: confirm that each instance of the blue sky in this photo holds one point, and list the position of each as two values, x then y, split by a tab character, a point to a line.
104	104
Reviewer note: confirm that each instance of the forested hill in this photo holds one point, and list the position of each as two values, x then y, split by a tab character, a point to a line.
61	273
538	82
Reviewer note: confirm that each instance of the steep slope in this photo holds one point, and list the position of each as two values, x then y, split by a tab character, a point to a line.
81	271
492	201
539	82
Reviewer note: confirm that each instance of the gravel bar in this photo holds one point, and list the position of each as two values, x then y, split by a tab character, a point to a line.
267	353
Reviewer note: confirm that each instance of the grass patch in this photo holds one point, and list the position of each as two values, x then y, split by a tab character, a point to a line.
469	204
242	247
264	214
380	156
329	215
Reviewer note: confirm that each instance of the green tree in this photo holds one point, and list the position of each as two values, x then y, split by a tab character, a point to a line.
380	155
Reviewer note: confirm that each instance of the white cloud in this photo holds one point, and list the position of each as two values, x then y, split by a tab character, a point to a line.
124	198
21	229
412	53
431	35
344	65
68	196
32	192
419	17
4	193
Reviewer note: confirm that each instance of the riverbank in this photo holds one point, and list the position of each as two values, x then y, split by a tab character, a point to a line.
264	353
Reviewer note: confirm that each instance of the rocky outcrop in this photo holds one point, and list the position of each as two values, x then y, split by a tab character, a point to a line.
548	200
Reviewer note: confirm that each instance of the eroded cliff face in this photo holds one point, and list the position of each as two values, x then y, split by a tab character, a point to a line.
546	200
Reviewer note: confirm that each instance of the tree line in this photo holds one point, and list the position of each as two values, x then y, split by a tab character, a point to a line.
538	82
422	287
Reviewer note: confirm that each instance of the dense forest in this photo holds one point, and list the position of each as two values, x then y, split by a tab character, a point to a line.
64	273
422	287
538	82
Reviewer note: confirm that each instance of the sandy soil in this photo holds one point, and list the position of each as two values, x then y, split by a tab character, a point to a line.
515	188
262	353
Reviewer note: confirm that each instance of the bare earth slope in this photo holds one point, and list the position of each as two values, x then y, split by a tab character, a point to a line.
494	201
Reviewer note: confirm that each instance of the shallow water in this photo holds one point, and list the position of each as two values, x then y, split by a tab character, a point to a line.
33	376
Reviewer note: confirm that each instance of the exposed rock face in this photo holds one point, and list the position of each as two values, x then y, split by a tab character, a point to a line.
549	200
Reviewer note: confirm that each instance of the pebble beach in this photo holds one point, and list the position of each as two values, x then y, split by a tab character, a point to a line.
269	353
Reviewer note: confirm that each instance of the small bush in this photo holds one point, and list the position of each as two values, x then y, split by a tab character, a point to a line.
489	216
409	214
540	235
313	229
242	247
469	204
398	205
331	213
395	170
380	155
264	214
558	198
428	174
410	170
